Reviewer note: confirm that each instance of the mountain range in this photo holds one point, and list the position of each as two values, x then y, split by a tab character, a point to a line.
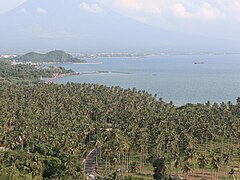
41	25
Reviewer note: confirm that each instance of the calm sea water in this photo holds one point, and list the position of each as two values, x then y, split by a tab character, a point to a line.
174	78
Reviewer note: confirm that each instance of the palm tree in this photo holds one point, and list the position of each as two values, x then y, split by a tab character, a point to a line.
189	154
159	166
215	163
177	163
226	158
187	167
232	175
202	162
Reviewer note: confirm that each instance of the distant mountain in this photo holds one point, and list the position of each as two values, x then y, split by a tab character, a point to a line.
56	56
40	25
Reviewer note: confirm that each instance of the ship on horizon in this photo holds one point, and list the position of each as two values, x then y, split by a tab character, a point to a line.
198	62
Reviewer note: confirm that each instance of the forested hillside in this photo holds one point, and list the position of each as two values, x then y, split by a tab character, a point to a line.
56	56
27	74
48	130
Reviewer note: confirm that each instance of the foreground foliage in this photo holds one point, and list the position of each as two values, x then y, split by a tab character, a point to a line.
49	129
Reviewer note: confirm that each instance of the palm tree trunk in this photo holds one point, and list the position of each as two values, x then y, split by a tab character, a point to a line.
228	144
206	144
122	168
128	162
222	145
100	155
106	164
211	146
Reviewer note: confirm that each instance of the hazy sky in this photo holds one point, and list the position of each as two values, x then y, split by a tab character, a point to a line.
208	18
214	18
6	5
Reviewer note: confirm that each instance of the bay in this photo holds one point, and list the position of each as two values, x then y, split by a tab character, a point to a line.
174	78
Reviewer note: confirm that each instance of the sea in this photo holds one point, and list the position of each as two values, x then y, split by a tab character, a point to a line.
178	78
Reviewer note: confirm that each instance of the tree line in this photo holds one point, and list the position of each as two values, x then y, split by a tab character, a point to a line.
47	130
26	73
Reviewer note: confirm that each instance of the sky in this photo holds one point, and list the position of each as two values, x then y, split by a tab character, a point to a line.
7	5
218	19
212	18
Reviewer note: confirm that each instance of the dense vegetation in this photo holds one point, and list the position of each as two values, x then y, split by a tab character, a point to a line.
56	56
49	129
27	74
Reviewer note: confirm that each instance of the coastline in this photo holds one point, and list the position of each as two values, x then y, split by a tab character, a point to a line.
89	63
59	76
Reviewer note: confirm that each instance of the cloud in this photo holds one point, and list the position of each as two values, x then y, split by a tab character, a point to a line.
210	13
41	10
206	10
234	8
141	5
204	13
91	8
180	11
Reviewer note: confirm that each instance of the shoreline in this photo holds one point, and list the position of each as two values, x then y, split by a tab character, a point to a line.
59	76
89	63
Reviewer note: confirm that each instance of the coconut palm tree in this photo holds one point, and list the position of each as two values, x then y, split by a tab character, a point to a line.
177	163
202	162
215	163
232	175
187	168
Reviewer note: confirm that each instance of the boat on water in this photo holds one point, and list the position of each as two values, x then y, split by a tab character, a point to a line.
199	62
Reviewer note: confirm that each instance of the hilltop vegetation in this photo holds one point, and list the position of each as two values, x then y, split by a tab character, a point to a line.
49	130
56	56
27	74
